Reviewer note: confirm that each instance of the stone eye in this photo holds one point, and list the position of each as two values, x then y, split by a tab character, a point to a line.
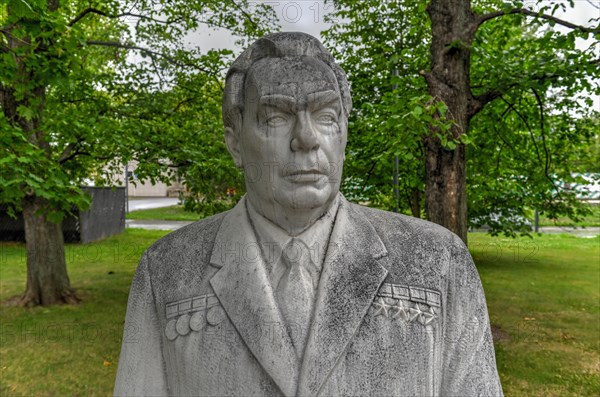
326	119
276	121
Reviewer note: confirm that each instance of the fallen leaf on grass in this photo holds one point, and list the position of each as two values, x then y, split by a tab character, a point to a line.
566	336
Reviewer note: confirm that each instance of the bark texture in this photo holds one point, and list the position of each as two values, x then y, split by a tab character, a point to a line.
415	202
47	279
453	28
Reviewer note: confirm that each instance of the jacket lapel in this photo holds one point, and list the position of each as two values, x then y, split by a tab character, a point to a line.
352	273
245	293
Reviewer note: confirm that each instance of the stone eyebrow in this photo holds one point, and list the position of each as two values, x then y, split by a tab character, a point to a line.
320	99
279	101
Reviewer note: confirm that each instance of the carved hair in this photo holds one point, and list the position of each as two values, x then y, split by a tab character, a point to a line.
277	45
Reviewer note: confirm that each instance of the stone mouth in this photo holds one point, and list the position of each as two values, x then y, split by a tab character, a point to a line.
305	172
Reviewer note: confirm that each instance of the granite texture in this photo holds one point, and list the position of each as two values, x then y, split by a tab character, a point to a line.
399	309
354	348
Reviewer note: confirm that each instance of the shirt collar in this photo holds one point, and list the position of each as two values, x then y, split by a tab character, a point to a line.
273	238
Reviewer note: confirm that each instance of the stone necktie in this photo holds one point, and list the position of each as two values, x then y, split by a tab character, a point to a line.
296	291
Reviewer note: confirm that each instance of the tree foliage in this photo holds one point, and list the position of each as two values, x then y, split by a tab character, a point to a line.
374	48
86	87
530	120
122	81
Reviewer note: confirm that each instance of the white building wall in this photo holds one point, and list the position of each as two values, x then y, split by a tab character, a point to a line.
148	190
141	188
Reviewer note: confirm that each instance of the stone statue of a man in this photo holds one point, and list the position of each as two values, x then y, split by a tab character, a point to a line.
296	291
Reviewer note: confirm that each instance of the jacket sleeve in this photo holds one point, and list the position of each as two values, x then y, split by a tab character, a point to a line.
141	370
469	362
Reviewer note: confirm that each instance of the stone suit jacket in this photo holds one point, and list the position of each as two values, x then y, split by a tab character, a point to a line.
399	311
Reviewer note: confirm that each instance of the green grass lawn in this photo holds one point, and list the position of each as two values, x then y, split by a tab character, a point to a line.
69	350
542	295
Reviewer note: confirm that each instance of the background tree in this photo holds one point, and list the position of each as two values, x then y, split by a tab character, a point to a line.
87	86
491	67
382	47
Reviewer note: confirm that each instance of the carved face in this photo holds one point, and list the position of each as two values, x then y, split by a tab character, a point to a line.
293	135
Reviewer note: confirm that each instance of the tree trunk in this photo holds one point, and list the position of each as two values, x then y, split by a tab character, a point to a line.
47	279
453	29
446	187
415	202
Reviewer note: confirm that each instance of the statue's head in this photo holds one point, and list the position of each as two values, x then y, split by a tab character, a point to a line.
285	111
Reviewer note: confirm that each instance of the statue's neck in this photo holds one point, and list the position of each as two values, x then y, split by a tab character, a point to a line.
293	221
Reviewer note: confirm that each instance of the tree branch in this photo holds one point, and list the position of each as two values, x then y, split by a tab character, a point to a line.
486	17
542	133
543	136
533	140
183	102
506	143
75	154
499	157
479	101
245	14
151	53
369	173
66	154
512	107
89	10
92	10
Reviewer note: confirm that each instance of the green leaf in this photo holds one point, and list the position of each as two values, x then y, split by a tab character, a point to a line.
26	112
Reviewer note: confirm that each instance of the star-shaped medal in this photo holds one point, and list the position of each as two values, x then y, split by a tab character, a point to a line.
414	312
400	310
427	316
381	308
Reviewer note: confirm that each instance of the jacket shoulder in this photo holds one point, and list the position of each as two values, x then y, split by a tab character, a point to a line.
189	246
421	253
407	227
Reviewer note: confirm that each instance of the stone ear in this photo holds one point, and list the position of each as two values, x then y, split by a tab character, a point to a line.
233	145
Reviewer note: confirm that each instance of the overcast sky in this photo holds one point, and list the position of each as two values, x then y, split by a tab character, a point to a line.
307	16
294	16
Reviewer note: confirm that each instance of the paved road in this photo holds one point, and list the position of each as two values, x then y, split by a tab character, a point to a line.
587	232
155	224
579	232
151	202
145	203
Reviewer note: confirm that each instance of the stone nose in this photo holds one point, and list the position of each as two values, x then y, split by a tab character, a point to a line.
304	136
